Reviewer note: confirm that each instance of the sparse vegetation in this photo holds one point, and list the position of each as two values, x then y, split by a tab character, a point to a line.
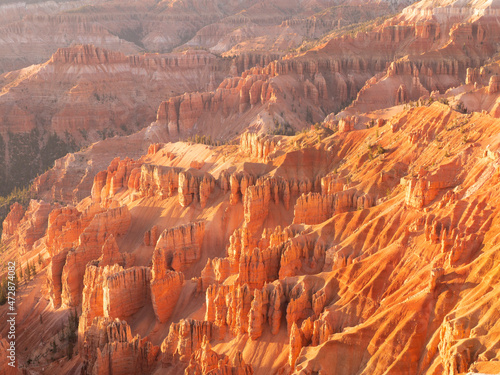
282	129
204	140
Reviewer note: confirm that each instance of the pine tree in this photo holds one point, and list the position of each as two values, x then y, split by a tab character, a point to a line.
28	271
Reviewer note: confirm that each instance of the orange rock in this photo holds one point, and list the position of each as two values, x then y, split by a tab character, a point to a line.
347	124
494	84
188	189
256	206
422	190
295	344
257	315
313	208
252	270
125	357
12	220
114	221
180	247
154	148
33	225
183	339
151	236
299	306
207	186
166	288
256	146
101	332
62	228
126	292
158	180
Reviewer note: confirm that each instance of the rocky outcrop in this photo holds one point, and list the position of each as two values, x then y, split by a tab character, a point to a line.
494	84
256	145
347	124
111	254
252	269
183	339
115	221
188	189
295	344
166	288
314	208
158	181
151	236
109	348
117	176
256	205
300	253
332	184
126	292
86	55
113	292
423	188
33	225
180	247
63	228
12	220
299	306
205	361
207	186
176	249
236	308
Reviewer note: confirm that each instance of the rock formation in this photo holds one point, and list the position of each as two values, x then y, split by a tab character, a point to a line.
115	221
178	248
109	348
388	258
33	225
12	220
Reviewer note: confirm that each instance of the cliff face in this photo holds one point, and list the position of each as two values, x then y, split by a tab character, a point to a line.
87	101
90	242
110	348
304	279
364	244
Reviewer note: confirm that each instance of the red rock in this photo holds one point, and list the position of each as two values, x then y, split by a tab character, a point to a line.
126	292
313	208
299	306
